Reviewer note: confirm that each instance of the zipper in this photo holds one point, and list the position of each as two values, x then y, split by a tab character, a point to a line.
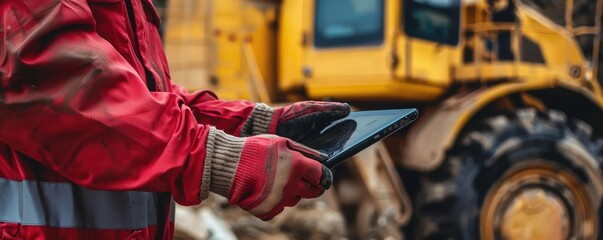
150	79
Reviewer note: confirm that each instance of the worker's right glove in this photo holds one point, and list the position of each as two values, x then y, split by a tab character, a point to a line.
262	174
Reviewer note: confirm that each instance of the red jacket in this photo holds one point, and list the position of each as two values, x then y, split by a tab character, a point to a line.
94	138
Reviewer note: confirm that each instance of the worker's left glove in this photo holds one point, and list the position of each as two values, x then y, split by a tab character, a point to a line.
294	121
262	174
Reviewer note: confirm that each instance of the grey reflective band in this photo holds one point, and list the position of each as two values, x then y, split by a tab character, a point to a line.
66	205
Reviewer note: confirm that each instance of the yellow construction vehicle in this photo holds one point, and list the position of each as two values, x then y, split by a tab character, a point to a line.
509	141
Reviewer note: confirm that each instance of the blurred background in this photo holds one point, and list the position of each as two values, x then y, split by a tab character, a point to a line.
509	138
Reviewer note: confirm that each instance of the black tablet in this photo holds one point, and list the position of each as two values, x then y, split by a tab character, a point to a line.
345	137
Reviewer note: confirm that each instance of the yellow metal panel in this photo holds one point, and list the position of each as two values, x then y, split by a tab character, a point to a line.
371	89
558	46
502	70
349	63
290	44
429	62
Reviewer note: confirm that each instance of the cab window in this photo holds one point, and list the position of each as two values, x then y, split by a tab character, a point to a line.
434	20
340	23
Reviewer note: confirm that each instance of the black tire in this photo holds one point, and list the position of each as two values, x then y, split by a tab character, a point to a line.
450	202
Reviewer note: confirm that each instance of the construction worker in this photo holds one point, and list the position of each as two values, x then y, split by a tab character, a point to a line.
95	141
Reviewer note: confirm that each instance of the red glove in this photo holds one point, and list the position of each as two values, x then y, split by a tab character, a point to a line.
263	174
294	121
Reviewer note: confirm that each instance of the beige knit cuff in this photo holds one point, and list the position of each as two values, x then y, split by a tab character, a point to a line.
259	121
222	156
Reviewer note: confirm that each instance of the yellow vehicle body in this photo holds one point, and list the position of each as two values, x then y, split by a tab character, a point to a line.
209	39
268	51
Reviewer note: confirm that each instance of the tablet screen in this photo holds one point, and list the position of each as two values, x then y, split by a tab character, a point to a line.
358	128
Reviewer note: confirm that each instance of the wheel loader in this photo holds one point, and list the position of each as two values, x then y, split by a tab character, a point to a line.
509	141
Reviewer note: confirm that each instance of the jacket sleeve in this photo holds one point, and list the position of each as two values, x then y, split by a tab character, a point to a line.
69	100
229	116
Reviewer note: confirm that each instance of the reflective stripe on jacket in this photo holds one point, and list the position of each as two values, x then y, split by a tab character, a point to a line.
80	132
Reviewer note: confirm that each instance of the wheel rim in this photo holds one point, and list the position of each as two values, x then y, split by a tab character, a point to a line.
538	201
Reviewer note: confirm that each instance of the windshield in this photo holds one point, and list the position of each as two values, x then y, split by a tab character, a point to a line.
434	20
348	22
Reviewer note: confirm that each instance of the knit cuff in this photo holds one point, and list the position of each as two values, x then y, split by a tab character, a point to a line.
221	161
259	121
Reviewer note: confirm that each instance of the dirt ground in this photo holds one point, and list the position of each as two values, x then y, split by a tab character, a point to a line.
216	219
